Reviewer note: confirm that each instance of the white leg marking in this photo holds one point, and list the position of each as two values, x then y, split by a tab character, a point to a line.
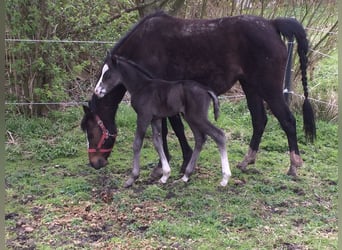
185	178
87	140
226	173
100	90
166	171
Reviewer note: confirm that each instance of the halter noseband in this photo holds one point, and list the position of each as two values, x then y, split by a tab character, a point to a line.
105	136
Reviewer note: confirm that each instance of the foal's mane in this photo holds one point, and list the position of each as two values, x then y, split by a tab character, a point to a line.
135	66
134	29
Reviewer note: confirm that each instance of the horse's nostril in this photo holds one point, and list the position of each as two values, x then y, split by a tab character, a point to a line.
102	162
99	163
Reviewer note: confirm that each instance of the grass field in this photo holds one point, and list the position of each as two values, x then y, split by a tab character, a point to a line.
56	201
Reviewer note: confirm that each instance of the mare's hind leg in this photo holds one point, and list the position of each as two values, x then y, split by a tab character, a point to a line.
158	143
288	123
137	144
259	120
200	139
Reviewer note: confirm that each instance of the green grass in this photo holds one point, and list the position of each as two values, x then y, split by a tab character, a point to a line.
56	201
323	85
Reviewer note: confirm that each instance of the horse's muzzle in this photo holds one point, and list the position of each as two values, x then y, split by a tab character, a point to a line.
98	163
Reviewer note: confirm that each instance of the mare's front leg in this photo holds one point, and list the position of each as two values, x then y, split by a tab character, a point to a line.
158	143
259	120
137	144
178	128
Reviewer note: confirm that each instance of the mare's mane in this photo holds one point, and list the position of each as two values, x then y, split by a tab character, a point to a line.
92	102
133	29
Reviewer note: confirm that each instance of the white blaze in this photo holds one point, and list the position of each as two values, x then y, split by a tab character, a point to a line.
99	90
87	140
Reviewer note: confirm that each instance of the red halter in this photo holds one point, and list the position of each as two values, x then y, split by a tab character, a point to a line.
105	136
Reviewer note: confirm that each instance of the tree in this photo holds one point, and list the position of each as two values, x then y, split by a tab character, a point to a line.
52	72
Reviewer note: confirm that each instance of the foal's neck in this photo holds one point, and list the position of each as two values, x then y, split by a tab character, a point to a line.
133	76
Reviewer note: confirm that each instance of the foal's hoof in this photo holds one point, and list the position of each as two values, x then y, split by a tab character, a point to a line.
225	180
224	183
163	180
185	178
156	173
129	182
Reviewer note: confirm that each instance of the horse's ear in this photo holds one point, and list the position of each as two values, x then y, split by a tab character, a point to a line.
115	59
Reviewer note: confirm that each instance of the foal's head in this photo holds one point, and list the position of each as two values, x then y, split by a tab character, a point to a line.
110	76
100	139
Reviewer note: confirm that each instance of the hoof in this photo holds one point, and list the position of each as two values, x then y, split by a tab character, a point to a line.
163	180
292	171
129	182
185	178
156	173
249	158
242	166
225	180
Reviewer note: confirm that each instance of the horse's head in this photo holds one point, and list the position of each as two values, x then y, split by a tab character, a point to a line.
100	139
110	76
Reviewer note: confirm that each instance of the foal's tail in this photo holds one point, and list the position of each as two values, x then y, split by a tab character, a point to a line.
291	28
216	104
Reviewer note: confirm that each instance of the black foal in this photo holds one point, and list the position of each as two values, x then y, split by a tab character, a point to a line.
154	99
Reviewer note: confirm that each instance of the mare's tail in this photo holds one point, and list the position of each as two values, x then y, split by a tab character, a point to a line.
216	104
291	28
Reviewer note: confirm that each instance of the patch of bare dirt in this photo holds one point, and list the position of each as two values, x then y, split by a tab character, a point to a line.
87	224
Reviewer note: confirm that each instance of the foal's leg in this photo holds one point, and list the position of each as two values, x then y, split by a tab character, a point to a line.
157	171
259	120
178	128
206	127
219	137
200	139
137	144
158	143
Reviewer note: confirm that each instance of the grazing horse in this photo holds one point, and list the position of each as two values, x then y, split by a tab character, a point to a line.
98	123
218	53
154	99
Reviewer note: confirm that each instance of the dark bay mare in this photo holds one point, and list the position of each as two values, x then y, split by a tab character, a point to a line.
218	53
154	99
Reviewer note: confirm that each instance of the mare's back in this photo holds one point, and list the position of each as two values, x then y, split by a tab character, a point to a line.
213	52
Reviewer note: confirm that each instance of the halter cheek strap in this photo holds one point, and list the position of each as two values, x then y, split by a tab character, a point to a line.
105	136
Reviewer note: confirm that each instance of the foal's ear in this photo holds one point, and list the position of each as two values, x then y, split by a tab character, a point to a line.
115	59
